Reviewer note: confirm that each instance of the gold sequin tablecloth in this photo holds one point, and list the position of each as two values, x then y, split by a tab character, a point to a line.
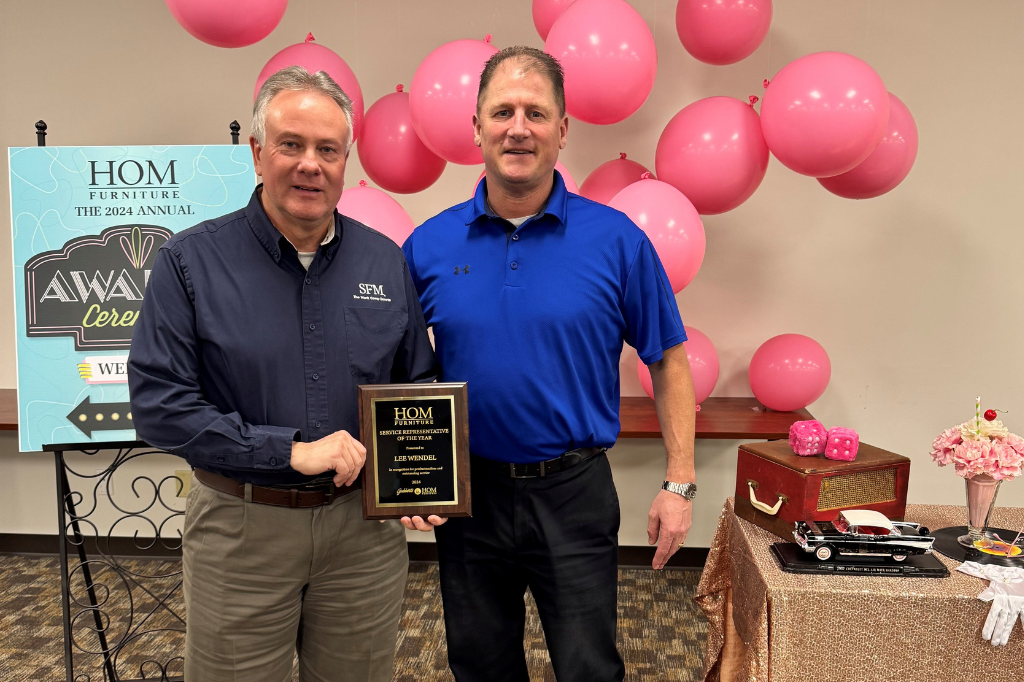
811	628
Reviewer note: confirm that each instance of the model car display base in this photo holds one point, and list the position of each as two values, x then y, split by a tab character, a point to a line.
946	543
792	559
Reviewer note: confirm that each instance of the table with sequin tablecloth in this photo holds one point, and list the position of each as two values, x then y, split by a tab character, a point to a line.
772	626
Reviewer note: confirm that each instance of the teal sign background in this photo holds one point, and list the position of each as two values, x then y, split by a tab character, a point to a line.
61	196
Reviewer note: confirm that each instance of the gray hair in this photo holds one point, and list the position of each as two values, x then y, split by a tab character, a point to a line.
298	78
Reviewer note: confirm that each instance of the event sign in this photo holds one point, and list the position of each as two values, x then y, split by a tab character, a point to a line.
86	224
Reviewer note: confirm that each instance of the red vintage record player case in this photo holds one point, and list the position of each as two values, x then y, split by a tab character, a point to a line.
776	488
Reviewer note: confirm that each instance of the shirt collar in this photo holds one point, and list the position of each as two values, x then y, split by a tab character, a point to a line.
556	204
272	239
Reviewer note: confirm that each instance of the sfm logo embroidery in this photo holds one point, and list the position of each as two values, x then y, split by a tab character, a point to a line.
463	270
371	289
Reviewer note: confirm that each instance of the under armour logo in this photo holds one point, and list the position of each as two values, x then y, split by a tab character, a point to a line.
465	270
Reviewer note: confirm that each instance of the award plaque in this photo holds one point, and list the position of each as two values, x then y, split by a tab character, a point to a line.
417	450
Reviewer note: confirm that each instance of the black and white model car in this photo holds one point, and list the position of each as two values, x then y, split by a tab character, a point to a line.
862	532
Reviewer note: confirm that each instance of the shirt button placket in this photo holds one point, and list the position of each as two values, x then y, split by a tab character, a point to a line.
313	354
514	263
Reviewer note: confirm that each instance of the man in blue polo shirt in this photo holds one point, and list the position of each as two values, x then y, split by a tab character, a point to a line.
531	292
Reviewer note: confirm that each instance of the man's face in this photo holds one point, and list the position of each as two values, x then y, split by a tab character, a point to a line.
302	160
519	128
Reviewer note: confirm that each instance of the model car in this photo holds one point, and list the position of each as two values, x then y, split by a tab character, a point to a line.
863	532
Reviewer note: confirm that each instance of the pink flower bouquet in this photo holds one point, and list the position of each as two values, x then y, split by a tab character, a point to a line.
980	446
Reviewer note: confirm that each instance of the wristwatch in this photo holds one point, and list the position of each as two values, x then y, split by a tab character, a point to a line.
687	490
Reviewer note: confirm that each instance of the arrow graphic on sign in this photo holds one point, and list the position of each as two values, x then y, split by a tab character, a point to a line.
89	416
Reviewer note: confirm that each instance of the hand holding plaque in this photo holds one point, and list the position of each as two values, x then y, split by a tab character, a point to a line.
417	450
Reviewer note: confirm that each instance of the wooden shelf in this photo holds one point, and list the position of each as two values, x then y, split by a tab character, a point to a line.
726	418
723	418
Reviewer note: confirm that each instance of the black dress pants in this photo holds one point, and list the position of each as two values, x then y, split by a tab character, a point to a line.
557	535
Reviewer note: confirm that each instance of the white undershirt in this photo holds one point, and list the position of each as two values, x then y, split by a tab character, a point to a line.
306	257
519	221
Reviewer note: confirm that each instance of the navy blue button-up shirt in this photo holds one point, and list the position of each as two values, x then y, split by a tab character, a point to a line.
239	351
535	321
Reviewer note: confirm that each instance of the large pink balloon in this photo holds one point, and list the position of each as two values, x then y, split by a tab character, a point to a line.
724	31
888	164
545	12
228	23
672	224
609	58
824	113
789	372
376	209
570	184
703	366
610	178
713	152
443	98
391	152
313	57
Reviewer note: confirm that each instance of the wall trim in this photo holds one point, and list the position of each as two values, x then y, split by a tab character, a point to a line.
691	558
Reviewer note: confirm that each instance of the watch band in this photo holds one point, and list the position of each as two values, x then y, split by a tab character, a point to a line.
687	490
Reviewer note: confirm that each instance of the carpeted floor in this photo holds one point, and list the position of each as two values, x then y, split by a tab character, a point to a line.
661	630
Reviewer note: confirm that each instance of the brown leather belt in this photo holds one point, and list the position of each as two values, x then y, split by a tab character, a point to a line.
278	497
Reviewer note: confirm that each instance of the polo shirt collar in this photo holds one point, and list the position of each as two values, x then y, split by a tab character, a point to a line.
556	204
272	239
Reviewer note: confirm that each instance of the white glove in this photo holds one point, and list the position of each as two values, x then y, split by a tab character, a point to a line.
1006	592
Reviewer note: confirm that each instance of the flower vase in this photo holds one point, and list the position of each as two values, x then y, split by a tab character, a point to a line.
981	500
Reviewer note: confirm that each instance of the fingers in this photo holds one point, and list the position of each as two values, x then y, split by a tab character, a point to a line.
417	523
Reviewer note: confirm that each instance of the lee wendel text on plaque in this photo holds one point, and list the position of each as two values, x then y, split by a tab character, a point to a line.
417	450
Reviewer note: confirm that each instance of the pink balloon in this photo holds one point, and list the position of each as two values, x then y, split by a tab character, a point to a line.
609	58
610	178
824	113
313	57
376	209
672	224
713	152
390	151
545	12
228	23
443	98
888	164
789	372
703	366
570	184
725	31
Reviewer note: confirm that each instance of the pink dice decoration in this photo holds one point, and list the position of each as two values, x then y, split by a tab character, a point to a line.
807	438
842	444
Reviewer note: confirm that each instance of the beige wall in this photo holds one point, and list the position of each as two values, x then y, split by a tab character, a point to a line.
917	295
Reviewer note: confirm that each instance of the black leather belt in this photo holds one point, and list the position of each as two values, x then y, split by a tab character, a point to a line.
537	469
302	496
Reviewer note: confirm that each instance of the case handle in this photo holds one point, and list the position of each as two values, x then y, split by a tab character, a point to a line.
761	506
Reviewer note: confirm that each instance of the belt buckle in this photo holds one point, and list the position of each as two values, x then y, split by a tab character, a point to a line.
512	471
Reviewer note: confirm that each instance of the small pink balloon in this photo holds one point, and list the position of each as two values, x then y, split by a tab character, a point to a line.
313	57
610	178
609	58
724	31
443	98
888	165
228	23
824	113
713	152
703	366
391	152
570	184
789	372
376	209
672	224
545	12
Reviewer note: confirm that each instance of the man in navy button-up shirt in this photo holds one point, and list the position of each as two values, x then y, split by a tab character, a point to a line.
255	331
531	292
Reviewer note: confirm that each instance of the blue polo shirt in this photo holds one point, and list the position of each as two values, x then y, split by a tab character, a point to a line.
535	321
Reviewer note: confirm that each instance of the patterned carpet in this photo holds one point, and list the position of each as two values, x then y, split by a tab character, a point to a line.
661	631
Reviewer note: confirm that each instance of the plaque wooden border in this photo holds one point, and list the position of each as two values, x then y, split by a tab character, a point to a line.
460	433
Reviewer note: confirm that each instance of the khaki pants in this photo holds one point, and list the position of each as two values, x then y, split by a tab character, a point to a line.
262	582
